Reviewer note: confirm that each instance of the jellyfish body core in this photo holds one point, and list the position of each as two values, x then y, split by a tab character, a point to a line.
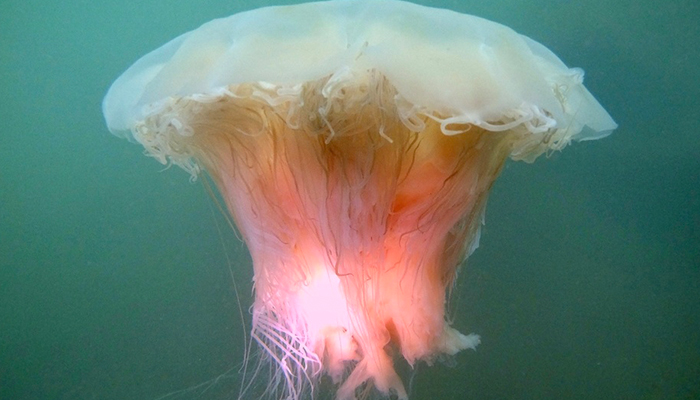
355	151
356	224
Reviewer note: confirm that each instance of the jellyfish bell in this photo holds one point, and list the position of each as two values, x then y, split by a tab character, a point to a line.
355	143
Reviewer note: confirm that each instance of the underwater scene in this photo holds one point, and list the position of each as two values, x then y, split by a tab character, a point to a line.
350	199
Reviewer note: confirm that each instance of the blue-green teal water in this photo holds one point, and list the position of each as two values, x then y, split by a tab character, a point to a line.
114	273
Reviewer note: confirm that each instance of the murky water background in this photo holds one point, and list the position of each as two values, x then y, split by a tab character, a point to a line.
114	279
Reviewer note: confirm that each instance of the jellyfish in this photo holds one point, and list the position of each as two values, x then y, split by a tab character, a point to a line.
354	143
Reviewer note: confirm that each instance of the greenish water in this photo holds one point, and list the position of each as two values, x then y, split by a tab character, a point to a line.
114	279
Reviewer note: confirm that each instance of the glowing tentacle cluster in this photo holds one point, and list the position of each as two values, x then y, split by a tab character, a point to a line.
356	222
